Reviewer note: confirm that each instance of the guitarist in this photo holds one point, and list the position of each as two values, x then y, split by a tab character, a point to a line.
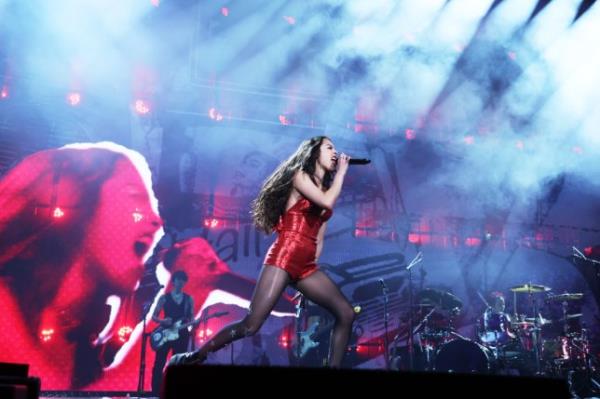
176	305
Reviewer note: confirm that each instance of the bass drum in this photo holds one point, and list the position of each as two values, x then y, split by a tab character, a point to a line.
463	356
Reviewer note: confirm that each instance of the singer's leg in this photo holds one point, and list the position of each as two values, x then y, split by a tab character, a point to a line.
269	287
319	288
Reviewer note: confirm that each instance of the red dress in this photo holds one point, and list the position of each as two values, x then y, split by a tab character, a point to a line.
295	248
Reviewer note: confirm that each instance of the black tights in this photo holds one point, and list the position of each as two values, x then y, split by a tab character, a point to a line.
271	283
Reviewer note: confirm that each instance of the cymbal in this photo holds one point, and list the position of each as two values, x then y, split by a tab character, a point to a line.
442	299
564	297
570	316
523	323
561	320
539	320
530	288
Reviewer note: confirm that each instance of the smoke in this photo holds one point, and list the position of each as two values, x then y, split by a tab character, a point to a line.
501	99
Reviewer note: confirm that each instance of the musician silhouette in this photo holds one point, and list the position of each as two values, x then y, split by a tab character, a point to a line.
176	306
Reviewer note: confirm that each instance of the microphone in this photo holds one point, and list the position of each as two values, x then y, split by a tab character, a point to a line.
382	282
359	161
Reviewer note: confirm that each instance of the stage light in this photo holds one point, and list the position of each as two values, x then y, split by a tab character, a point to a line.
289	20
225	11
4	92
520	145
472	241
47	334
284	340
155	3
410	134
215	115
58	213
74	99
284	120
124	333
211	223
469	140
205	333
142	107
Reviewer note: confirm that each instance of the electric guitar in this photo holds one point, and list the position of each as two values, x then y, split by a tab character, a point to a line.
161	335
306	341
311	337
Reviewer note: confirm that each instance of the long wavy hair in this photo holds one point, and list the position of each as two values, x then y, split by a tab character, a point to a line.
271	201
36	249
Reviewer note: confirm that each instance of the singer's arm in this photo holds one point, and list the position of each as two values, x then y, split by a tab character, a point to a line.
325	199
320	236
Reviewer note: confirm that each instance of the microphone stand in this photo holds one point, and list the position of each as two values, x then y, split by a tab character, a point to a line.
386	343
300	307
145	335
578	254
409	342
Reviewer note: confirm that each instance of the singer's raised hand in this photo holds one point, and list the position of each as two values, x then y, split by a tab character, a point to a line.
342	163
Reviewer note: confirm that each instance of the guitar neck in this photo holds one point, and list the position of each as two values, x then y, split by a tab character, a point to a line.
189	323
201	319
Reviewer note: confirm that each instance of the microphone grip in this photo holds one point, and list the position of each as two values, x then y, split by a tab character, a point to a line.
359	161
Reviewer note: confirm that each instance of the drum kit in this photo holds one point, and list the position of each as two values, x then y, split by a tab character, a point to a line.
524	343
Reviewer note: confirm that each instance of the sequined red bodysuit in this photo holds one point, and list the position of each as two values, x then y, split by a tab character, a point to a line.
295	248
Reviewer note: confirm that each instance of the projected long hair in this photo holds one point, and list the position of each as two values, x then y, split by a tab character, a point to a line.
38	244
271	201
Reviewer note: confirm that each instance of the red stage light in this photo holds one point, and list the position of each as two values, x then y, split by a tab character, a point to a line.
202	334
413	238
74	99
473	241
47	334
410	134
211	223
155	3
225	11
142	107
124	333
4	92
284	120
284	340
58	213
469	140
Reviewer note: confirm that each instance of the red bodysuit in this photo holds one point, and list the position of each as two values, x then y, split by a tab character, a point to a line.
295	248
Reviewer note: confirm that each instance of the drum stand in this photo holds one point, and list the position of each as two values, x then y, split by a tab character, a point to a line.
429	359
409	341
535	335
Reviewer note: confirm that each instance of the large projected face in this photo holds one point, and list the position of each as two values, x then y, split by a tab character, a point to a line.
122	228
76	224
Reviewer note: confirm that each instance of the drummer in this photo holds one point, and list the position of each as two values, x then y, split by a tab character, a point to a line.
496	323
